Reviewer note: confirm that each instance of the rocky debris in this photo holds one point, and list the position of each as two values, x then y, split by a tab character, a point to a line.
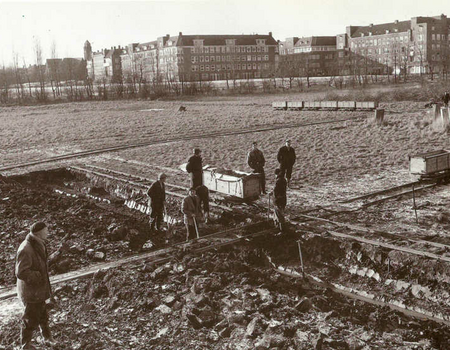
95	255
201	307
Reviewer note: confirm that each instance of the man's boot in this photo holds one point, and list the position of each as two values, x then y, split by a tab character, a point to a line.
48	339
25	339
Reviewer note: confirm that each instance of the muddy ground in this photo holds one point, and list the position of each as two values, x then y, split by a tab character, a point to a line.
242	303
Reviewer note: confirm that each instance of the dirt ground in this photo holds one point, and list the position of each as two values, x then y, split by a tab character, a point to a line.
334	161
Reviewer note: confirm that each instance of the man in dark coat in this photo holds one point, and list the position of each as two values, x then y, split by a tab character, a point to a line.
256	161
446	98
195	168
280	199
203	193
192	213
157	194
33	284
286	157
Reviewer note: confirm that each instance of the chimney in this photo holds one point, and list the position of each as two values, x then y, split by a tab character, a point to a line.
180	33
114	47
371	25
270	33
396	21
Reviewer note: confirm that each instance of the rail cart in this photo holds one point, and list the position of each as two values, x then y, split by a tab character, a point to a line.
231	183
434	165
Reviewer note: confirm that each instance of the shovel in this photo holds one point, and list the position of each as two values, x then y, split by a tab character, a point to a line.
196	227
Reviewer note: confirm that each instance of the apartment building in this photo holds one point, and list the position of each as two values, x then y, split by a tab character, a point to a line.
308	56
201	58
418	45
105	64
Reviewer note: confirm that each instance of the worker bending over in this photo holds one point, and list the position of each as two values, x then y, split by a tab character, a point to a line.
192	214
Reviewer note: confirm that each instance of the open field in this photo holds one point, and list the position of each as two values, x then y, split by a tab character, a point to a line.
349	156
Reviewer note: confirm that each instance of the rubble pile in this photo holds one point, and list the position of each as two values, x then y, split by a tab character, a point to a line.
81	229
221	300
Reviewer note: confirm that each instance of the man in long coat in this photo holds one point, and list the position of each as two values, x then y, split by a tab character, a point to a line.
194	167
256	161
157	194
286	157
280	198
192	214
33	284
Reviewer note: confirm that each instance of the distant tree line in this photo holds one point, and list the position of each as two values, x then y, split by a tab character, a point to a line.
67	79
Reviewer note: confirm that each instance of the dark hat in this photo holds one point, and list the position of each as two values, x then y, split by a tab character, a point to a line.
197	151
192	189
277	171
38	226
254	143
162	176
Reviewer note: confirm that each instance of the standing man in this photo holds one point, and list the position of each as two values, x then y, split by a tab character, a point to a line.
192	214
203	193
256	161
280	199
286	157
446	98
33	284
157	194
195	168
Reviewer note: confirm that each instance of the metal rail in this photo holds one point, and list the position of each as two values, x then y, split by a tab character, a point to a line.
385	234
10	292
162	141
144	185
377	193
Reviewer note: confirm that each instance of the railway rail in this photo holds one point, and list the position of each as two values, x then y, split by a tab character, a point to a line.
389	240
390	193
171	140
161	256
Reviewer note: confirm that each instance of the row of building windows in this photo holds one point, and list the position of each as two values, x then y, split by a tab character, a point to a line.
223	49
441	37
229	75
316	48
381	41
195	59
219	67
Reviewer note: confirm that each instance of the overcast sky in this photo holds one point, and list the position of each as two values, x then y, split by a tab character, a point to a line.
113	23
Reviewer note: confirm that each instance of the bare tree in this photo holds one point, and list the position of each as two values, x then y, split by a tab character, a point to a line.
41	93
5	81
17	76
54	71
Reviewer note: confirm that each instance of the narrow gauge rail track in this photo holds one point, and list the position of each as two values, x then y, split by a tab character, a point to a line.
138	181
197	245
389	240
166	140
359	295
389	193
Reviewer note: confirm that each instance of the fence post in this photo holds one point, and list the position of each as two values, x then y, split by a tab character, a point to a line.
444	116
379	116
436	110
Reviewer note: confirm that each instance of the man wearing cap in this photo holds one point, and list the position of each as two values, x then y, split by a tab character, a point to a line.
157	195
256	161
195	168
192	214
446	98
286	157
33	284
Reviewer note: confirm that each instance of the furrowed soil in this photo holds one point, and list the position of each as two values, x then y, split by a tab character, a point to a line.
230	298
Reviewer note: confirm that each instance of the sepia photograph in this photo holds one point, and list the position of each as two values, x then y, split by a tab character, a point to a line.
225	175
